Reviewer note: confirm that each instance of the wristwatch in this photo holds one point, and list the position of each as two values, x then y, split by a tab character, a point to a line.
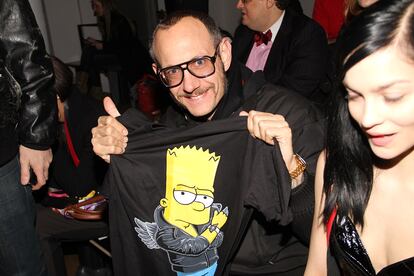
300	166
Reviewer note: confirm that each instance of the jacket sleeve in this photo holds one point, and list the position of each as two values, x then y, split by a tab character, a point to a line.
308	140
25	57
308	135
307	61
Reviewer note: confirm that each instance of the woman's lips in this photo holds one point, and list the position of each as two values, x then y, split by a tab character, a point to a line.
381	140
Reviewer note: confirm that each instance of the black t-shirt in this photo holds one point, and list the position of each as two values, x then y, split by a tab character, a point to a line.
247	177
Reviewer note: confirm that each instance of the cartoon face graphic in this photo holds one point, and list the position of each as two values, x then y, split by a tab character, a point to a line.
189	186
187	222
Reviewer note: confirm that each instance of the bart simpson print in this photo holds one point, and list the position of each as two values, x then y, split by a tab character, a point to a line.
187	222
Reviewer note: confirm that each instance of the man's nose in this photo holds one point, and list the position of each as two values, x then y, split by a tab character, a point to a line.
190	82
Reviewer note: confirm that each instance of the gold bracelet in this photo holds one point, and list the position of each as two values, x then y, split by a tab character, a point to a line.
300	166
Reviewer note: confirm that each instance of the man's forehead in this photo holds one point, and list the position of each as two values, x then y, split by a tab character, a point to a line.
185	40
186	25
256	2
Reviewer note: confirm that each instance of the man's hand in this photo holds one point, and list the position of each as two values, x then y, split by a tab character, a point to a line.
39	161
271	128
109	136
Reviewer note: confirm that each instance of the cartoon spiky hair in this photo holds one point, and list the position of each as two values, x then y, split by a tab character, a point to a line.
191	166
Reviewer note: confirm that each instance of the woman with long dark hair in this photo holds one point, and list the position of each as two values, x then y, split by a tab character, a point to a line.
364	186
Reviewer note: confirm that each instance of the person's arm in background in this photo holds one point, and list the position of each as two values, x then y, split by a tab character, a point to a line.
27	61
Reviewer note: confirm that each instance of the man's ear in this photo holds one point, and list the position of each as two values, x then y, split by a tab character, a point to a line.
271	3
155	68
225	52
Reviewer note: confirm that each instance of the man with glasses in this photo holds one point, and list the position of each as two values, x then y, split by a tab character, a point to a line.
27	132
195	62
201	67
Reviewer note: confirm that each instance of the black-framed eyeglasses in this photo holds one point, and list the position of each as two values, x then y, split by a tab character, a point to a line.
200	67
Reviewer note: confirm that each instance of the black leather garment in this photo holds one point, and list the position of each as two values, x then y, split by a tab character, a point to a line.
26	77
353	259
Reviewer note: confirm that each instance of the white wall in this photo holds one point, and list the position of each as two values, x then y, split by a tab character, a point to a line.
225	14
58	20
37	7
307	6
161	4
143	13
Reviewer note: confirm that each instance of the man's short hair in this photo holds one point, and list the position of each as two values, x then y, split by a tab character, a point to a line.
173	18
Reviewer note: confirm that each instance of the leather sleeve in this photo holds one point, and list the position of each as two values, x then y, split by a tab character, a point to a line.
23	49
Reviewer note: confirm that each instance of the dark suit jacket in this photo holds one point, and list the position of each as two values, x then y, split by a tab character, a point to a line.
298	58
82	114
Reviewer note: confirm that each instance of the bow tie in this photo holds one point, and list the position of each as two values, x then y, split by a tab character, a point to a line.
260	37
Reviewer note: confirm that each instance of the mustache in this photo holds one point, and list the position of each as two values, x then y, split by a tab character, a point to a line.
195	93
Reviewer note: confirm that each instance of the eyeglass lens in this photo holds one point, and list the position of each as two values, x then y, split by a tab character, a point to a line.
200	68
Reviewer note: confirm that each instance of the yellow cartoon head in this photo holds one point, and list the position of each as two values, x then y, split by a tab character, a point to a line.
189	191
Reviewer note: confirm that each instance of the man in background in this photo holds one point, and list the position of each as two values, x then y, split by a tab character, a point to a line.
290	48
27	130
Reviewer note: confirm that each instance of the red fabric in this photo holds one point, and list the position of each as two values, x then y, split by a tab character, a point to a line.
329	224
260	37
70	145
147	95
330	15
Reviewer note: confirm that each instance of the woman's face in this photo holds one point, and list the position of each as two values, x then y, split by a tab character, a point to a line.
381	100
366	3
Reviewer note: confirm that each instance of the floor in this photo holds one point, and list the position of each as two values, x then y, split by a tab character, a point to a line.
72	258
